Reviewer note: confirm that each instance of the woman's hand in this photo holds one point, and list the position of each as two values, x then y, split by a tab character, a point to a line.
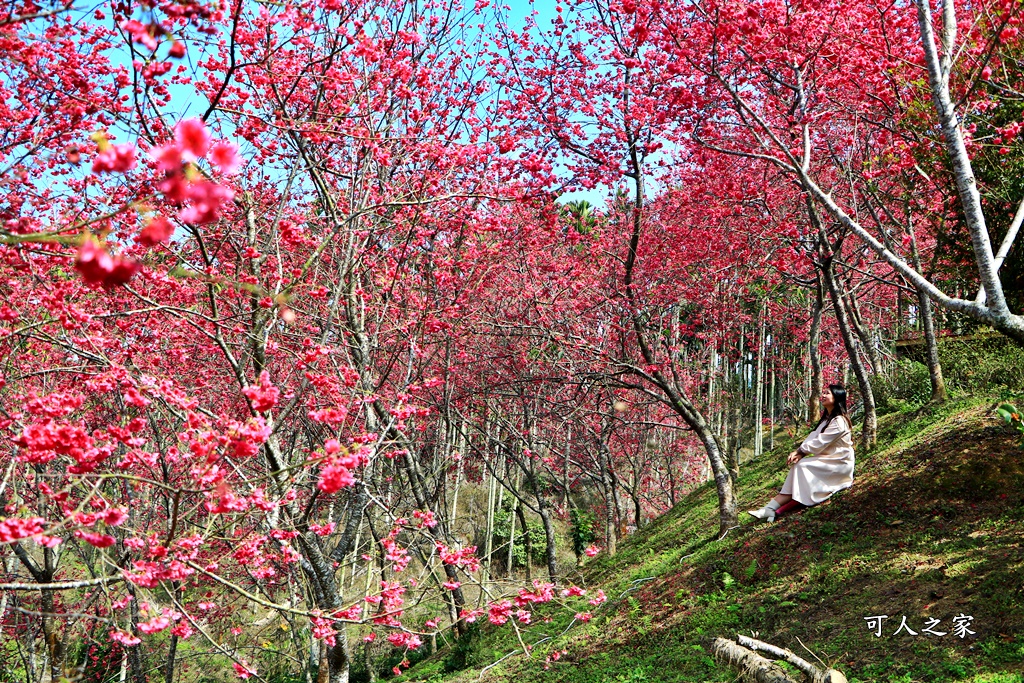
794	457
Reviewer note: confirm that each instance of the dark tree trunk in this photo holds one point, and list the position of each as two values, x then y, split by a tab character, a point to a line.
527	543
928	326
814	352
607	485
549	536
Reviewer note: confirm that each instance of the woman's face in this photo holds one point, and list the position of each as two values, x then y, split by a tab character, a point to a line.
826	399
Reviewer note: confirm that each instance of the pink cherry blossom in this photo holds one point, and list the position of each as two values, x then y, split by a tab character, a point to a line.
244	670
115	159
192	138
126	639
158	230
205	202
99	267
263	396
224	156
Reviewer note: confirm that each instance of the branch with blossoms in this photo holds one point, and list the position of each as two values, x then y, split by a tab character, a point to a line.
182	186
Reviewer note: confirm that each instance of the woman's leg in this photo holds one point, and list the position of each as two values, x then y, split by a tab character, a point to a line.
791	506
782	498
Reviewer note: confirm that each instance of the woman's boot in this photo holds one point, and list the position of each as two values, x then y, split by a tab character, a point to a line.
767	512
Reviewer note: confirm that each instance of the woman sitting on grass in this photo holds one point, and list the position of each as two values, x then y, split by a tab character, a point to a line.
813	480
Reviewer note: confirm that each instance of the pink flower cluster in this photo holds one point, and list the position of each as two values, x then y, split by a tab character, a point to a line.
394	552
465	558
390	601
337	473
126	639
201	200
44	440
165	564
244	670
400	639
264	396
323	630
114	159
322	529
95	539
223	500
425	518
158	230
167	616
542	592
499	612
554	657
470	615
205	199
15	528
144	34
98	267
155	624
245	439
331	416
350	614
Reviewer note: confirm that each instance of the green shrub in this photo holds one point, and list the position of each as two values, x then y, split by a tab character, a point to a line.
1013	417
907	386
981	364
503	521
582	529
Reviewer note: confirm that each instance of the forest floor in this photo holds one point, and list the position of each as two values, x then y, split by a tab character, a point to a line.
932	528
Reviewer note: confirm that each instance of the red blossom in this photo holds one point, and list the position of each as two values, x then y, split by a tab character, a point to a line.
205	202
115	159
244	670
193	138
98	540
158	230
126	639
264	396
15	528
224	155
100	268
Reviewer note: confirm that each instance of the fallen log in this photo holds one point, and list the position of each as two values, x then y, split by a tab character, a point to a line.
751	667
813	673
742	657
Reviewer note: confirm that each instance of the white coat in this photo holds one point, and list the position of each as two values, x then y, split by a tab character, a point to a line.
816	477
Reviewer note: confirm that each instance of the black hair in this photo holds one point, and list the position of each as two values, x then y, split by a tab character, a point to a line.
838	406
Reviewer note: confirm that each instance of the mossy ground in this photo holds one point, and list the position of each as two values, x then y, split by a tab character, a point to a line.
931	528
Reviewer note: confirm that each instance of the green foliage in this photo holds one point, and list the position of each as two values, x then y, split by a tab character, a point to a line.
465	652
977	363
503	521
907	386
639	617
582	529
1012	415
973	365
638	674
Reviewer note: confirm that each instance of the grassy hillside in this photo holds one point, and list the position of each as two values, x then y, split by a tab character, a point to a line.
931	528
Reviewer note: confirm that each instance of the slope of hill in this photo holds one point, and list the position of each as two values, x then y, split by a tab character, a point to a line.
932	529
